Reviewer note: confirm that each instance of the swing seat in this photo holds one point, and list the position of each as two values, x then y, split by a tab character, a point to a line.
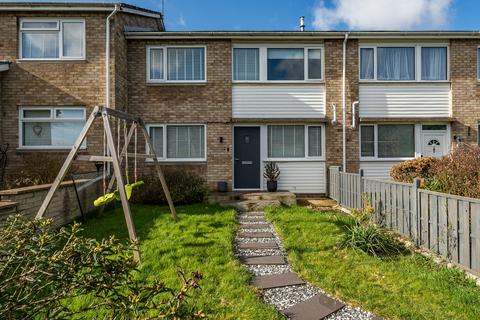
105	199
109	197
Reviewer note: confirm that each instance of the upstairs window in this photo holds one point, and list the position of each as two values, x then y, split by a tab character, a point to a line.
285	64
409	63
176	64
434	63
52	39
395	63
246	64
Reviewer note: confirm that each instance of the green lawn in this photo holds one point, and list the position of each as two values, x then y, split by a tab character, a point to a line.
201	240
405	287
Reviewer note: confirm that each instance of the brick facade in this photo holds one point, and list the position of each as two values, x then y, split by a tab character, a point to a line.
207	103
333	84
465	90
62	83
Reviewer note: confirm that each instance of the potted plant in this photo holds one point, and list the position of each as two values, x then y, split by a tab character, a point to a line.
271	173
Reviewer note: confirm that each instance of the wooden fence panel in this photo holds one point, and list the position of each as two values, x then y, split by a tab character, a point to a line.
433	223
464	233
406	210
442	226
475	234
452	236
424	219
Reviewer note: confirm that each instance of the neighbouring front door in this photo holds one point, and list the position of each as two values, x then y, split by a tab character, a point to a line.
246	165
434	144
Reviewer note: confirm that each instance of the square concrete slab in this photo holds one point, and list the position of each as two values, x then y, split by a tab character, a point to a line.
254	226
277	280
315	308
258	245
253	219
263	260
255	235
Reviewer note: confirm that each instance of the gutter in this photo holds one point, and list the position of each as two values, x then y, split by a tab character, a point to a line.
344	105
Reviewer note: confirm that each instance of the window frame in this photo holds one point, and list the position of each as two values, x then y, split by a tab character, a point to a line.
418	61
233	64
165	64
306	157
59	30
51	119
163	157
263	62
375	144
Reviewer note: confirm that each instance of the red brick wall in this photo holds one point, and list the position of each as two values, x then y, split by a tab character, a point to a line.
61	83
209	103
465	89
333	84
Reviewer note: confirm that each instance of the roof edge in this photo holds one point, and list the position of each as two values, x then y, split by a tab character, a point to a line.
302	35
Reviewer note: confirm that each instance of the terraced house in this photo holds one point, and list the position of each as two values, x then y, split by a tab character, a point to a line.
224	103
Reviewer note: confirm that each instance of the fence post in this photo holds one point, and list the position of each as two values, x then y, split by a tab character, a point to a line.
415	218
360	189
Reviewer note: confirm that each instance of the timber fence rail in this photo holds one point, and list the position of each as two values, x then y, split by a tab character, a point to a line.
446	224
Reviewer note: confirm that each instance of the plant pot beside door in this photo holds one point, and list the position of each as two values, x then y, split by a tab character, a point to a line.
271	173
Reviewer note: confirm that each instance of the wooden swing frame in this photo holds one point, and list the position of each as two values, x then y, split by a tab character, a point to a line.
116	160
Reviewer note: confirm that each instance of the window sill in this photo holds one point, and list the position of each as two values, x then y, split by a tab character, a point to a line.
178	162
386	159
280	82
79	60
176	83
402	81
294	160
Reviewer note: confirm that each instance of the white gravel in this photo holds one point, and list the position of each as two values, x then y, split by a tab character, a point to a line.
351	313
285	297
261	270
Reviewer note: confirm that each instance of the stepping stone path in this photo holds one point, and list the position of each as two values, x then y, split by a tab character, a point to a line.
260	249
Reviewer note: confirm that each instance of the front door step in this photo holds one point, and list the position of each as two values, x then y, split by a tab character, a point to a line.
257	245
256	235
277	280
315	308
263	260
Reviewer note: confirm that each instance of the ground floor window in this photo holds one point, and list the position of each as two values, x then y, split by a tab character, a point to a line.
387	141
50	128
179	142
295	141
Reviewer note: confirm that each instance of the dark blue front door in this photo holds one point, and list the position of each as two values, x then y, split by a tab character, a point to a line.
246	157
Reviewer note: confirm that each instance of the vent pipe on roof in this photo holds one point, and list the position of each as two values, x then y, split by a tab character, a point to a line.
302	23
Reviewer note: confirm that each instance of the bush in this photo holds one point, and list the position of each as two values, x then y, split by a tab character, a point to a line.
37	168
364	235
407	171
185	188
42	270
457	173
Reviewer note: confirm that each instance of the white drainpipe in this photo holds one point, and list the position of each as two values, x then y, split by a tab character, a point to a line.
354	114
107	55
344	107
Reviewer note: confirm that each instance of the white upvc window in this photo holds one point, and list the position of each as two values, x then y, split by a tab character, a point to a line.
50	127
277	63
295	142
387	141
179	142
404	62
176	64
52	39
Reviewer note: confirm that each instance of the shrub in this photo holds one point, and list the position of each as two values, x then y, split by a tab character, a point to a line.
37	168
407	171
185	187
42	270
364	235
457	173
271	171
